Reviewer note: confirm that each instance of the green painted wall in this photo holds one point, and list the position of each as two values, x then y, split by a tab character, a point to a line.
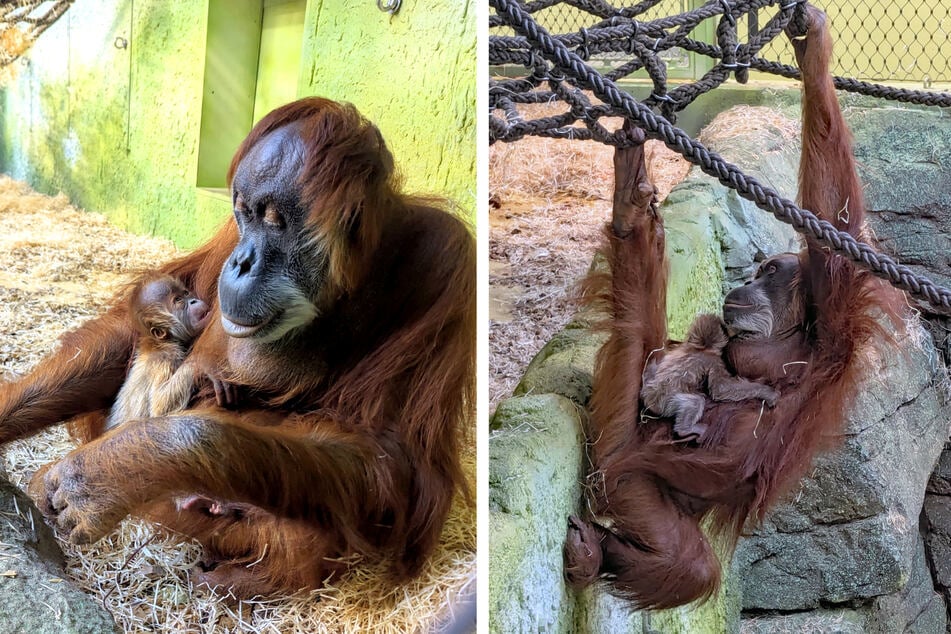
412	73
119	129
282	40
232	46
116	129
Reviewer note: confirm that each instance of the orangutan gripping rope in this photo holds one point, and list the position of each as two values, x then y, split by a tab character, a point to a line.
799	325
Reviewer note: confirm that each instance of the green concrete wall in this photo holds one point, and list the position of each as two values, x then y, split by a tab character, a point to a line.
413	74
118	130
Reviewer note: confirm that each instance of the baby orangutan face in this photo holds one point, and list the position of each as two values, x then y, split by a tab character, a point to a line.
165	311
680	384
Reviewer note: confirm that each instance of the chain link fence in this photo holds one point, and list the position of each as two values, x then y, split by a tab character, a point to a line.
876	40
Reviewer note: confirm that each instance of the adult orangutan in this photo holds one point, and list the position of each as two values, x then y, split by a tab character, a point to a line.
799	327
343	325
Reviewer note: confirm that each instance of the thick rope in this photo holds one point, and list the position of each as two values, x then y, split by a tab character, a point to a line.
620	103
22	21
617	32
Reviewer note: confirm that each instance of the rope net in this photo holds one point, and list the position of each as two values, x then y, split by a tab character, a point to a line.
556	71
22	21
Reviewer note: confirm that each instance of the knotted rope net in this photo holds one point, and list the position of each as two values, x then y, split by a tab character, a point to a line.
22	21
556	70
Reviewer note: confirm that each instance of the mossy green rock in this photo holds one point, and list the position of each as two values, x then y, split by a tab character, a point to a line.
535	474
34	597
564	366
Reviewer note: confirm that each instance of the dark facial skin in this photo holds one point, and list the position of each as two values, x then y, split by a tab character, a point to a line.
769	302
268	286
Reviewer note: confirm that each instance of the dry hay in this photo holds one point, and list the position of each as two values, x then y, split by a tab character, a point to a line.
545	168
549	200
60	266
741	121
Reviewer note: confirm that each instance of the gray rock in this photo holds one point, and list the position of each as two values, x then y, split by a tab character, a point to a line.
34	597
905	159
850	533
851	528
841	621
917	608
905	162
940	482
937	515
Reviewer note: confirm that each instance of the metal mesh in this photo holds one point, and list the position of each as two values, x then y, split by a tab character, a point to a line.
877	40
564	19
905	40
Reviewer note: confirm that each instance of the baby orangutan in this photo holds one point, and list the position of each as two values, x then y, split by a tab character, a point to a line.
678	383
167	319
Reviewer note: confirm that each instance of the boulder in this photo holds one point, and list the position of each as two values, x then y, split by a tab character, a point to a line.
916	608
904	162
535	472
565	365
850	530
35	597
836	621
903	159
940	482
937	516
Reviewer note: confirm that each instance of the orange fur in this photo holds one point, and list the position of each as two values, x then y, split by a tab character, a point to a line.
650	494
346	441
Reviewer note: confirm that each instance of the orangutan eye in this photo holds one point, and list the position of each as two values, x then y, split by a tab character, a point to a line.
273	217
240	208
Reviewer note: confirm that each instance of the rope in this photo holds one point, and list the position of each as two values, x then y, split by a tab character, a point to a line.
532	40
22	21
